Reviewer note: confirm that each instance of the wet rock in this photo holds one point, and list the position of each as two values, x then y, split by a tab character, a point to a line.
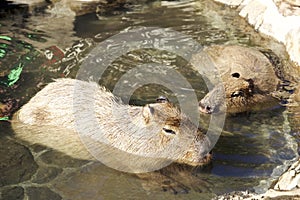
238	195
297	95
16	163
38	193
287	187
44	174
269	195
86	183
15	193
282	195
97	181
269	17
36	148
61	160
231	2
288	7
290	180
292	43
294	113
5	130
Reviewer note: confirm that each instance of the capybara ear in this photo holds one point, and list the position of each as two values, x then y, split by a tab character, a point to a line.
162	99
148	111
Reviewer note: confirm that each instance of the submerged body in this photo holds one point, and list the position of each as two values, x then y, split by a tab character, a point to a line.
250	79
70	115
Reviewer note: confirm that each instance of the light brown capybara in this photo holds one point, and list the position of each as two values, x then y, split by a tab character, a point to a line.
250	78
66	107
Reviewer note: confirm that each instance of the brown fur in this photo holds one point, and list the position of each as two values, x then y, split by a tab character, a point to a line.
133	135
249	80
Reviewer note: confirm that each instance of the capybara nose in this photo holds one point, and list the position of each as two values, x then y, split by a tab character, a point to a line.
208	157
205	108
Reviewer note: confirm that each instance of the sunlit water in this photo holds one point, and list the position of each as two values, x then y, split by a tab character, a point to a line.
251	145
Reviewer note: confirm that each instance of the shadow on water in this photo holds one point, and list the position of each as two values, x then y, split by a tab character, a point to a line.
250	147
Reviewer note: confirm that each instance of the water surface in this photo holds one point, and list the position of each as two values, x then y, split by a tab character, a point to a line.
251	146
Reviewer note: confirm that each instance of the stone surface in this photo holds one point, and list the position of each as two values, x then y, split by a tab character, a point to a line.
290	180
13	193
287	187
38	193
46	174
16	163
95	182
292	42
61	160
37	148
297	95
270	19
231	2
288	7
284	195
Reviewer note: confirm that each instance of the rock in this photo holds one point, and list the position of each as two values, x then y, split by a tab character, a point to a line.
97	181
290	180
293	2
38	193
282	195
16	163
36	148
292	42
44	174
61	160
288	7
269	195
15	193
231	2
270	19
86	183
297	95
287	187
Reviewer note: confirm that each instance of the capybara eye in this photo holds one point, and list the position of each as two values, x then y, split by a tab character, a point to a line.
208	108
169	131
235	75
162	99
237	94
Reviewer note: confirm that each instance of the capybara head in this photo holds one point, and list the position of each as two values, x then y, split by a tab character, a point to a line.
250	79
179	136
237	95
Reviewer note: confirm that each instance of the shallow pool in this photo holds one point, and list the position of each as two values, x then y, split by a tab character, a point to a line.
252	147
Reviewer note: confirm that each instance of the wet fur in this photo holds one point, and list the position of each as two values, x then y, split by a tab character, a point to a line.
55	115
243	70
